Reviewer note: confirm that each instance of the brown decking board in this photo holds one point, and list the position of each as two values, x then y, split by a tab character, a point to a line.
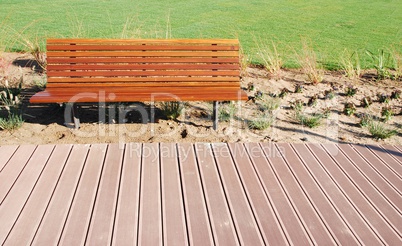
200	194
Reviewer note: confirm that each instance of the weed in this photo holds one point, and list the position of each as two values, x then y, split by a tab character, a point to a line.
312	101
307	59
172	110
381	63
297	105
298	88
366	102
365	119
350	91
329	94
250	86
387	113
350	64
258	95
396	94
263	122
326	112
227	111
379	131
283	92
349	109
383	98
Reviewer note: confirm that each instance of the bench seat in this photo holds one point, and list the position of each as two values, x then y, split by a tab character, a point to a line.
117	70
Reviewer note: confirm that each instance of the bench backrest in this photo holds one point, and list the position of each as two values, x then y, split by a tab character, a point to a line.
143	62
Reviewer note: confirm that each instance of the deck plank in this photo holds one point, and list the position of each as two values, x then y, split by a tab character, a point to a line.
102	222
378	177
25	227
292	176
394	151
355	224
20	192
174	222
77	223
51	227
374	187
126	225
261	205
221	219
246	226
6	152
290	222
338	166
150	221
378	166
13	169
198	224
387	159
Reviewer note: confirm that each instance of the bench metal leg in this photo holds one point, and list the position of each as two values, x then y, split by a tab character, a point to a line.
71	115
215	116
76	116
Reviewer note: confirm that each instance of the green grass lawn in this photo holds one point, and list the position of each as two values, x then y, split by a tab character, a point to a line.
329	26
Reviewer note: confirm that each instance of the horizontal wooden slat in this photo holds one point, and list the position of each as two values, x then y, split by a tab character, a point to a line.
217	94
190	66
55	80
146	84
121	47
141	54
141	73
95	60
141	41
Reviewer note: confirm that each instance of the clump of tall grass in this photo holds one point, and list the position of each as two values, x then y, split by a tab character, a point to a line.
350	64
10	100
227	111
397	63
270	57
379	131
311	121
307	59
381	61
263	121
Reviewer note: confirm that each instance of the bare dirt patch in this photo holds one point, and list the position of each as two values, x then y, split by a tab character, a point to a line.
44	124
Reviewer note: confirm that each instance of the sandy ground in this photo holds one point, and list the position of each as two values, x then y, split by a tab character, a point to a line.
44	124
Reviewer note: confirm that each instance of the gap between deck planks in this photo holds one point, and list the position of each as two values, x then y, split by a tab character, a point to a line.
200	194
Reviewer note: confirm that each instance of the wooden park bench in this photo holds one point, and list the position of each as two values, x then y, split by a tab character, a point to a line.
111	70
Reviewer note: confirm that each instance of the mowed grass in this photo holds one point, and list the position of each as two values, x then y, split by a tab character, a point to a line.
328	26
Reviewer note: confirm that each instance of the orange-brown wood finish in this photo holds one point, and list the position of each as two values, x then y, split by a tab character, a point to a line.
137	70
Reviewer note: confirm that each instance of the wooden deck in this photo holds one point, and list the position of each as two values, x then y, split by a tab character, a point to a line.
201	194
